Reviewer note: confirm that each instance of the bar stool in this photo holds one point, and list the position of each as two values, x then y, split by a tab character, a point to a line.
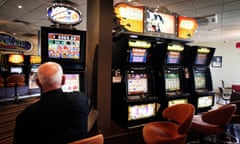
96	139
15	80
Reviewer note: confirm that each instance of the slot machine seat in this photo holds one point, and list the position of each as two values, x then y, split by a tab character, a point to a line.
96	139
15	80
2	82
173	131
213	122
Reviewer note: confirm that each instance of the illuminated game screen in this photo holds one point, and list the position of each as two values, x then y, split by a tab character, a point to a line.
138	55
137	83
32	84
16	69
63	46
72	83
205	101
177	101
201	59
172	81
173	57
141	111
199	80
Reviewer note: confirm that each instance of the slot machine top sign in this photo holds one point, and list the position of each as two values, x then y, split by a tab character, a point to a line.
186	27
64	14
130	17
7	41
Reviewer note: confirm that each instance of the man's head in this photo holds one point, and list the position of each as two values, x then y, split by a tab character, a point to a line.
50	76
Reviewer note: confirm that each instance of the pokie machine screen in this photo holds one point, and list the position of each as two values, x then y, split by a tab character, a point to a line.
173	57
172	81
63	46
199	80
137	83
72	83
138	55
32	84
141	111
205	101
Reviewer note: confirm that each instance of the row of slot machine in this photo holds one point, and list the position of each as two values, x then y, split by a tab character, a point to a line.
64	46
149	75
20	64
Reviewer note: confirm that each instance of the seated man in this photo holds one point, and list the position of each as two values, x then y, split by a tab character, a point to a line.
57	117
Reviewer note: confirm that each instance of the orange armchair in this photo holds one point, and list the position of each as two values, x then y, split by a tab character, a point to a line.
97	139
213	122
173	131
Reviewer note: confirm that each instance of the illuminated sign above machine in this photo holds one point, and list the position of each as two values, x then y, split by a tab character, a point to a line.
10	42
63	14
139	43
130	17
186	27
176	47
203	50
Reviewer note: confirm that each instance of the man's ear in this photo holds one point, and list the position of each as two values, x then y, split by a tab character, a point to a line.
63	79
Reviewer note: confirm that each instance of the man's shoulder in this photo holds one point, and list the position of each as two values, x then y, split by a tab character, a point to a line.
76	99
30	110
75	95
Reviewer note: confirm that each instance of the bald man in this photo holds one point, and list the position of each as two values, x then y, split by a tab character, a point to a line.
57	117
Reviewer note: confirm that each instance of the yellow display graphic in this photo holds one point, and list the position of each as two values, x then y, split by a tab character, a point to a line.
130	17
175	47
139	43
35	59
203	50
16	58
186	27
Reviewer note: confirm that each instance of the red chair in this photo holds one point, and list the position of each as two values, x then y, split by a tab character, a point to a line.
236	88
15	80
173	131
213	122
236	115
97	139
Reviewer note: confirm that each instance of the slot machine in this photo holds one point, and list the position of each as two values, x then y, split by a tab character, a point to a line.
34	62
134	102
16	65
170	74
200	82
66	47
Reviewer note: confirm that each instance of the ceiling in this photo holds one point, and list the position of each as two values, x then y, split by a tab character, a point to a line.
223	16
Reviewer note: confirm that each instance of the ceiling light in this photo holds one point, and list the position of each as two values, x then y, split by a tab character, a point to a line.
20	6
